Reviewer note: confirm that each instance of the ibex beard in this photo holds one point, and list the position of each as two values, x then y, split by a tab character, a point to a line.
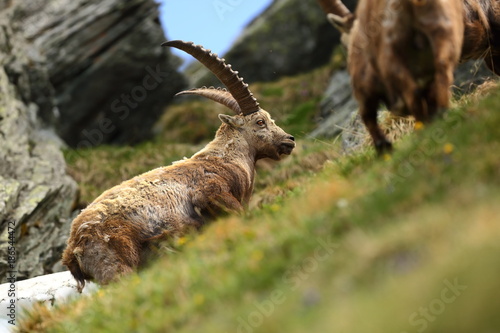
114	234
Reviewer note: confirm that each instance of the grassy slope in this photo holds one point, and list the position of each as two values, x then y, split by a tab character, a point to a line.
362	245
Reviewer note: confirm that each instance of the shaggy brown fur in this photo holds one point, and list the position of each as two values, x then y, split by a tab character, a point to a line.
111	237
482	32
403	53
481	28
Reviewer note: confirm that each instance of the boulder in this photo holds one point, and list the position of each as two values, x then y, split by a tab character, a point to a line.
112	79
336	107
50	290
36	194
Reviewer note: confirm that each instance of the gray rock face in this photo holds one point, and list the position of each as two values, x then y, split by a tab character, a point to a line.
290	37
336	107
112	79
36	195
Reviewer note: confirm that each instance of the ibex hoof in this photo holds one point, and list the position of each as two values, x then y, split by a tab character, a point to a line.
383	147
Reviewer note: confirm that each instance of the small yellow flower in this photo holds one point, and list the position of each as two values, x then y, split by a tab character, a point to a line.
275	208
181	241
387	157
135	280
448	148
257	256
249	234
419	125
198	299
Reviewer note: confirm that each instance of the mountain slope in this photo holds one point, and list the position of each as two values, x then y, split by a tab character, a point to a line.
363	245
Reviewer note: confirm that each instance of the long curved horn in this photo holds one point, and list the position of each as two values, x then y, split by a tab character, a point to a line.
238	89
336	7
218	95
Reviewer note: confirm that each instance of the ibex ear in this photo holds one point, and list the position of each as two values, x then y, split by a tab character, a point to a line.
343	24
232	121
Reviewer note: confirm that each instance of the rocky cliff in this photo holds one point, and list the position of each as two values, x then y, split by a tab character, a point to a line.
95	71
112	79
36	195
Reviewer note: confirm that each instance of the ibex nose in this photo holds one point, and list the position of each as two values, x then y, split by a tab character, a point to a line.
291	138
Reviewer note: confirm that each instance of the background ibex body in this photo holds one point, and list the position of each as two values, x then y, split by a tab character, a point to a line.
401	53
481	28
482	32
111	237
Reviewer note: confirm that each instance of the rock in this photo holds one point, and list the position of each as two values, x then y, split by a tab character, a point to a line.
469	75
112	79
354	135
36	195
336	107
50	290
289	37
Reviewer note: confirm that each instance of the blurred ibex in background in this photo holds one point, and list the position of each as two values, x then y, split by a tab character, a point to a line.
482	32
112	236
481	28
401	53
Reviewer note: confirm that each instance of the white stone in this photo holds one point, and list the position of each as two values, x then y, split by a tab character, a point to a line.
49	289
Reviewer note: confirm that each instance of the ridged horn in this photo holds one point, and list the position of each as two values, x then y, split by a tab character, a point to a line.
336	7
235	85
218	95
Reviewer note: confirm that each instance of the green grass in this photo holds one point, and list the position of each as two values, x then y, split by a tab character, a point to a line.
330	243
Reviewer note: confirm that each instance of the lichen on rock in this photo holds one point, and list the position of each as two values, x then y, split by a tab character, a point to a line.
36	194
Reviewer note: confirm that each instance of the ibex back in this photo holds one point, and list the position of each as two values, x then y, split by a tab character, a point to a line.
111	237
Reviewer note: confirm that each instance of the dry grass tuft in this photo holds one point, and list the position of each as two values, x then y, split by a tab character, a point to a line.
394	127
484	89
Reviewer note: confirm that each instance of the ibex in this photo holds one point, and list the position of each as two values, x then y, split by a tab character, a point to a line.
401	53
112	235
481	28
482	32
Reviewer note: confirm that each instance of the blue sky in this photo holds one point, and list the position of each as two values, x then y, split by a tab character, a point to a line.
215	24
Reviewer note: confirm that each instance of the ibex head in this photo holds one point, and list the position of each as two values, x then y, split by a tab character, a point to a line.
254	123
340	17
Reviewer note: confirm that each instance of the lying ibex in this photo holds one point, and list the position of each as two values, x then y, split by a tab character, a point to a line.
481	28
112	235
401	53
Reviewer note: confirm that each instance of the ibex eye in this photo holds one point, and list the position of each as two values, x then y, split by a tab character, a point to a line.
261	122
